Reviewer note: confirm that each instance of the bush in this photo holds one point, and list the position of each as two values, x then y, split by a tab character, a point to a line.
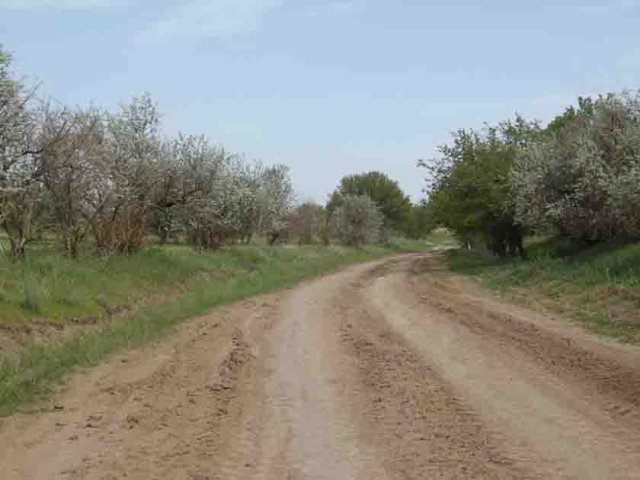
125	233
306	223
385	193
357	221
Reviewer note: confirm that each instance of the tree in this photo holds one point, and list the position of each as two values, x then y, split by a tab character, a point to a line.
183	172
235	199
75	172
82	171
133	143
276	195
21	189
583	177
569	116
307	222
207	216
357	220
469	185
249	185
385	193
420	221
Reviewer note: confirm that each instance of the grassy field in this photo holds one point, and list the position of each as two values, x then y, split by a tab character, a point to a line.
598	287
51	286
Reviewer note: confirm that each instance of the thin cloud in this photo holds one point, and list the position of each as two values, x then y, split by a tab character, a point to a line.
40	5
601	8
342	6
211	18
338	8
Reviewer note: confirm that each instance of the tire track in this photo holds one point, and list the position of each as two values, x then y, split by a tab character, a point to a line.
427	432
394	369
549	427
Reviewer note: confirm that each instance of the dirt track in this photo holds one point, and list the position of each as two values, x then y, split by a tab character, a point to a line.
391	370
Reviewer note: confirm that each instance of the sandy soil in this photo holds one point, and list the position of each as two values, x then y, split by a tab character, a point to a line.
394	369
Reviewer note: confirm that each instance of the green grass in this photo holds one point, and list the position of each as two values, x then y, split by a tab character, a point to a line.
46	284
206	280
441	237
598	286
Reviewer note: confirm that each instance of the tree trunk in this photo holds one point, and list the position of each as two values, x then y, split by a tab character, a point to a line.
16	242
164	235
73	247
17	247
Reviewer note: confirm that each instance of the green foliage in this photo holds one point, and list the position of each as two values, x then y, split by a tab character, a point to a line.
470	189
579	177
570	115
55	286
420	221
440	237
385	193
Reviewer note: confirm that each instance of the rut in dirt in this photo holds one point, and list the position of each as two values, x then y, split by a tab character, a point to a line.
395	369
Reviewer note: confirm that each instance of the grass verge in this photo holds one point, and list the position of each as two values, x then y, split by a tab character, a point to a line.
598	287
49	285
230	274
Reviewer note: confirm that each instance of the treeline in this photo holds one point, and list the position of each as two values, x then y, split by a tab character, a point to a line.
113	177
106	180
577	177
364	208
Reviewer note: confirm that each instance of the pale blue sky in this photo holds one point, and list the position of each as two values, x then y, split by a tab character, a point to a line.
328	87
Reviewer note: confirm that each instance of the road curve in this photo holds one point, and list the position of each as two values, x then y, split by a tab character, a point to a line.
394	369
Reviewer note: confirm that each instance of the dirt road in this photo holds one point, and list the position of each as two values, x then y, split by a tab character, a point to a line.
395	369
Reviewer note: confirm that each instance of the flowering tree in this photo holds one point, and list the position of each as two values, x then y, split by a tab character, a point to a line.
583	178
75	170
82	171
134	149
275	198
21	189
